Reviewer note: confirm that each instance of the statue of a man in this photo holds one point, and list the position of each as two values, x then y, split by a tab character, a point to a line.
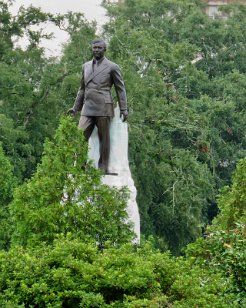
95	101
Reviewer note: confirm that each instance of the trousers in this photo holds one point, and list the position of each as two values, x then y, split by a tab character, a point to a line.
88	123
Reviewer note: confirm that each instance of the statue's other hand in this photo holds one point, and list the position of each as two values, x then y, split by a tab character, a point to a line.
71	112
124	115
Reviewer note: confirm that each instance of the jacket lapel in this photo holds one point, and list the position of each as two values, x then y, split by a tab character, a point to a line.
98	70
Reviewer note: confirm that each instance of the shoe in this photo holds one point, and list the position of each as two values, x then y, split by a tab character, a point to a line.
111	173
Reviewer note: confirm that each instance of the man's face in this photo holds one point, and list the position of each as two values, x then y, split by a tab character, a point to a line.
98	50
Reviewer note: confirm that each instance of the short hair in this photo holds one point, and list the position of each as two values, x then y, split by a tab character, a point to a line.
99	40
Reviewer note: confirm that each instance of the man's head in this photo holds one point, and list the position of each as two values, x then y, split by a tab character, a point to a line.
98	48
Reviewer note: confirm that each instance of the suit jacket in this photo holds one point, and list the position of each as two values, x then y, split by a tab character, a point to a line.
94	97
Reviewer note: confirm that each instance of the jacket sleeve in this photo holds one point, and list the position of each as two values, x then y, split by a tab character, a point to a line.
78	104
119	88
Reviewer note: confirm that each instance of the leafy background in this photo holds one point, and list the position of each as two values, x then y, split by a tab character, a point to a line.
185	76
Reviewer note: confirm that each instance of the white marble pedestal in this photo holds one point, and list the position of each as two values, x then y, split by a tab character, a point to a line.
118	163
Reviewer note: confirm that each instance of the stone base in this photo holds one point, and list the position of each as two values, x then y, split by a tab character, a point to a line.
118	164
132	208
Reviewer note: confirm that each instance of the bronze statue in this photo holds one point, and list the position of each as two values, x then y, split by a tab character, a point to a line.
95	101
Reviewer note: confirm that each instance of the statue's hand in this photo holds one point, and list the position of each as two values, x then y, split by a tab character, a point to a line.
71	112
124	115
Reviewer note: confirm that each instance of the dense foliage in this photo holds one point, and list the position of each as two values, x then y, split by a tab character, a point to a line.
186	90
7	183
224	246
71	273
61	198
72	269
35	90
64	237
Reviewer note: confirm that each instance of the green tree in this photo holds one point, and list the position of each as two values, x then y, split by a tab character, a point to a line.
186	121
36	90
7	183
223	249
61	198
72	273
68	269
